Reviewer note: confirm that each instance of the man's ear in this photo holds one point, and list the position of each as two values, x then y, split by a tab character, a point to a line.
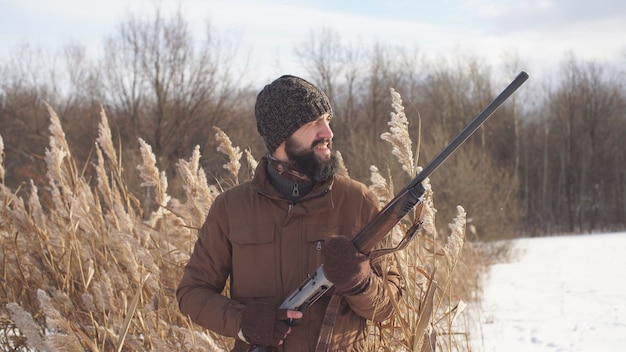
279	153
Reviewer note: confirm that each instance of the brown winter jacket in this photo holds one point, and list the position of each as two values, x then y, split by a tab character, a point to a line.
268	247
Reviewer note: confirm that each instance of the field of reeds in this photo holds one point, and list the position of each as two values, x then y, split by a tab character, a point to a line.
84	268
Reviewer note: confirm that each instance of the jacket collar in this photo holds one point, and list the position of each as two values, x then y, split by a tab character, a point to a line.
318	198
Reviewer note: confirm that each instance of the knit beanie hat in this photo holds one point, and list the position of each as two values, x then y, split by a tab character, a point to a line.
285	105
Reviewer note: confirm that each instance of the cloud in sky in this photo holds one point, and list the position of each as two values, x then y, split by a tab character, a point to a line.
541	32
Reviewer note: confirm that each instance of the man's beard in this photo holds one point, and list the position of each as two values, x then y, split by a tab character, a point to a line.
306	161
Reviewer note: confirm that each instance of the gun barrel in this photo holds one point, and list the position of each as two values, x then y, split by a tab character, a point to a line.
470	129
406	199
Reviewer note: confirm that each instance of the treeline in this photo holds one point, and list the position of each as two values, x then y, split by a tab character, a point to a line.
550	160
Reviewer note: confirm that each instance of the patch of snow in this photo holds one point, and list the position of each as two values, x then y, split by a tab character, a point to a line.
563	293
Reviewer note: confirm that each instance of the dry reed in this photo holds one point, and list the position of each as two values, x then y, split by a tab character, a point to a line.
426	316
90	271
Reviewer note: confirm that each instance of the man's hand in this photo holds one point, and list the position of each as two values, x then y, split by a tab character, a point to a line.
344	266
264	324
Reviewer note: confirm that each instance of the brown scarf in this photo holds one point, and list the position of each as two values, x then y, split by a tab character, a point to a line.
287	171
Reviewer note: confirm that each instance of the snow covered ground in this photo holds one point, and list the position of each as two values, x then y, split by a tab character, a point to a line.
565	293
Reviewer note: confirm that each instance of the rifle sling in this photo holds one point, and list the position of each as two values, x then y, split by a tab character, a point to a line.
323	341
406	240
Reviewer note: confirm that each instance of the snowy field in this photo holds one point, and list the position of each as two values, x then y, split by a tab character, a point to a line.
565	293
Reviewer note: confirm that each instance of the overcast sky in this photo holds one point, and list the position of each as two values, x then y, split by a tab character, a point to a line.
541	32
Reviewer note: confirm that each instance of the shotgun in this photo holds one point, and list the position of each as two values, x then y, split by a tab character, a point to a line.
373	232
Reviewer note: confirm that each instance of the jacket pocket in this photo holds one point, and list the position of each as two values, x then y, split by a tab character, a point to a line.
254	261
316	235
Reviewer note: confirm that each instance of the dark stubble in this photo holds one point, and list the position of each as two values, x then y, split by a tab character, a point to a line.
306	161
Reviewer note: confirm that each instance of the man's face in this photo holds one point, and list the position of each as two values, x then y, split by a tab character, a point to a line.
309	149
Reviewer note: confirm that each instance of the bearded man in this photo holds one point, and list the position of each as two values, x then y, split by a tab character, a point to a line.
266	235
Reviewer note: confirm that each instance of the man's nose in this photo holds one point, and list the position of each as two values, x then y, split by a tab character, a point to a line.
325	131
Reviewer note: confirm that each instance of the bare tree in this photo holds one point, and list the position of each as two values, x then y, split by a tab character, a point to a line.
512	66
322	55
583	119
24	85
169	92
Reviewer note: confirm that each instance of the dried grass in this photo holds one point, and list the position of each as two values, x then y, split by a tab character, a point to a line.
92	272
1	159
428	312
